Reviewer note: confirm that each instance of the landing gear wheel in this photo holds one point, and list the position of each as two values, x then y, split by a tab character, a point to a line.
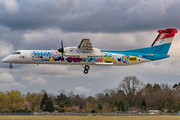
87	67
10	66
85	71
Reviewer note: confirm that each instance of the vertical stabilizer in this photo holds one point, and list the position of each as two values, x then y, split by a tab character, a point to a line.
163	41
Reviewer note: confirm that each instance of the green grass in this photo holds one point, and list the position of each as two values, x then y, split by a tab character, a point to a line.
89	117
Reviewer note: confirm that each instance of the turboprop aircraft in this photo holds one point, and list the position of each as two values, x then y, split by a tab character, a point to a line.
86	55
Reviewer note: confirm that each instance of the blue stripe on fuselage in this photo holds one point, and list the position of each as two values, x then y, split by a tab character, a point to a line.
151	53
159	49
151	57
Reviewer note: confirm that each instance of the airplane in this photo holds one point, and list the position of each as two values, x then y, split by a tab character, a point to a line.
86	55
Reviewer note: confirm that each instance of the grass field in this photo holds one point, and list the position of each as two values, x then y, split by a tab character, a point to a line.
89	117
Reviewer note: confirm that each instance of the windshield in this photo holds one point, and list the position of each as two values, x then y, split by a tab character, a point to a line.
14	53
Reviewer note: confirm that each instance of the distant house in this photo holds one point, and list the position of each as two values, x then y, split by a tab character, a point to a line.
154	111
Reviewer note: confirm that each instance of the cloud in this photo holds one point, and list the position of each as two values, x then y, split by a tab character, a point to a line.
10	86
91	15
5	48
82	89
11	6
116	41
6	78
7	82
34	80
49	71
90	84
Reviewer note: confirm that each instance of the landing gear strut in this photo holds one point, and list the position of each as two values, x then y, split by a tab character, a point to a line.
10	66
86	68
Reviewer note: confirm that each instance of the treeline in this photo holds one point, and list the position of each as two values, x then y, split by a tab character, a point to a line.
130	95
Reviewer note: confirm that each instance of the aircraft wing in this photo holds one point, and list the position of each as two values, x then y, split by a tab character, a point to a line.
85	45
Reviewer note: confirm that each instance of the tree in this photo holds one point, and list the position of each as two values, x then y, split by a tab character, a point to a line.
156	87
110	96
175	85
16	99
100	107
149	87
100	97
53	97
120	106
77	100
93	111
178	106
62	91
143	105
131	86
91	103
43	101
72	97
116	102
49	105
80	100
4	101
61	105
34	100
62	98
43	91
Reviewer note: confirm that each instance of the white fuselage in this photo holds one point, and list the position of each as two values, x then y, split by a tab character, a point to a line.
72	56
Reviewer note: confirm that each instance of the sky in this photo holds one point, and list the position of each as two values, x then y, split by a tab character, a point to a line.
109	24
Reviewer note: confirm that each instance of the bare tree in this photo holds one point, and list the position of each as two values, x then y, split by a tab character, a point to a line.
53	97
110	96
71	95
43	91
62	91
100	97
131	86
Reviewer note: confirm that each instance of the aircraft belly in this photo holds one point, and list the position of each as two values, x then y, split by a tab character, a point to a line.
89	63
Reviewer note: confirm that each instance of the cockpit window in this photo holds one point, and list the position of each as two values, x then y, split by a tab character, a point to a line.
14	53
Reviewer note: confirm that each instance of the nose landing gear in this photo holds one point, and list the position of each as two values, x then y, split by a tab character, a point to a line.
86	69
10	66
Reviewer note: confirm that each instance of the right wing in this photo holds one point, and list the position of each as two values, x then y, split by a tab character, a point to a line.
85	45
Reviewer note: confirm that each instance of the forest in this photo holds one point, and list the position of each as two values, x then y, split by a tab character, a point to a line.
130	95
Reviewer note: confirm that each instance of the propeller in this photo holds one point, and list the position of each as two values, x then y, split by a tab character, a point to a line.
62	48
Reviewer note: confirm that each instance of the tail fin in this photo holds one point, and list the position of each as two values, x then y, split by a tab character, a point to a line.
163	41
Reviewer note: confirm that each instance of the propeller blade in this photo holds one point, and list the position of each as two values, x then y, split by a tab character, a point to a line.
61	49
62	46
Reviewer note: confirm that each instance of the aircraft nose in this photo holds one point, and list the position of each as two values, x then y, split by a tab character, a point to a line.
6	59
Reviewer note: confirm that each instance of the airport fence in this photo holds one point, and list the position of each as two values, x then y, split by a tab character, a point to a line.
92	114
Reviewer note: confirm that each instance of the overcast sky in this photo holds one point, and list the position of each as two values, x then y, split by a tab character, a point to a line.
110	25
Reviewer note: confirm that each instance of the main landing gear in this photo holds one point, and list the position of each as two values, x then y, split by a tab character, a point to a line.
10	66
86	68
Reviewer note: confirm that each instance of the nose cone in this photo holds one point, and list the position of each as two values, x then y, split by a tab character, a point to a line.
6	60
